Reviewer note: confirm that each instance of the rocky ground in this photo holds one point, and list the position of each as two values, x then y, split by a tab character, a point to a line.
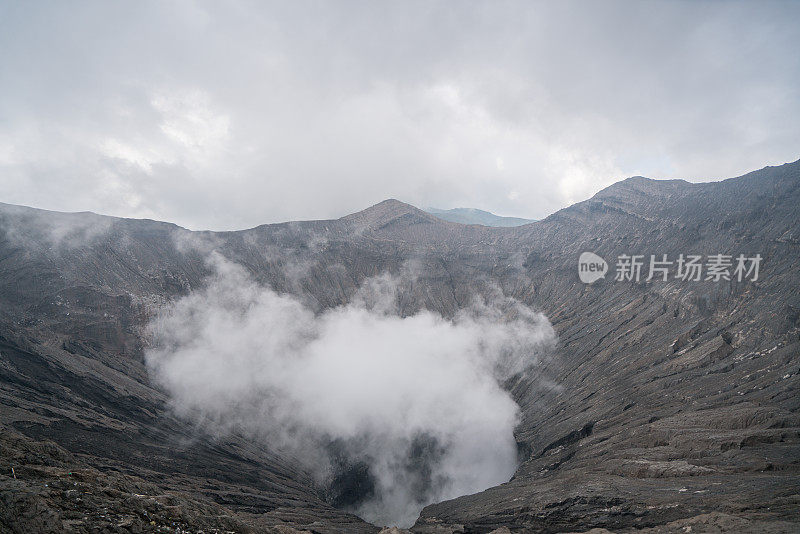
667	407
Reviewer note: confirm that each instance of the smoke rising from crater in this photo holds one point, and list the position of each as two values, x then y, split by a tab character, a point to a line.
390	413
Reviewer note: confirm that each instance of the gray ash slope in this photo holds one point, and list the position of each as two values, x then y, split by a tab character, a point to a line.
665	403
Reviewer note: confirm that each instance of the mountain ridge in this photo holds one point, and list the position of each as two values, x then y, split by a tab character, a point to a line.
392	208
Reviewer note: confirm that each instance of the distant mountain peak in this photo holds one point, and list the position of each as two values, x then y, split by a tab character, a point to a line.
476	216
389	211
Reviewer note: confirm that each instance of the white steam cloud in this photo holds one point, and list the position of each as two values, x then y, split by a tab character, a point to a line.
390	413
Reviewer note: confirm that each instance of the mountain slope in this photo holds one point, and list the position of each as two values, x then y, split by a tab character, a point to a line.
664	401
675	399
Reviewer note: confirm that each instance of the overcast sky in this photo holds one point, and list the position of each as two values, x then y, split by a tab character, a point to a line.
226	115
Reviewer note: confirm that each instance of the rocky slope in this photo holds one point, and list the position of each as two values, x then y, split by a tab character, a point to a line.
666	404
675	398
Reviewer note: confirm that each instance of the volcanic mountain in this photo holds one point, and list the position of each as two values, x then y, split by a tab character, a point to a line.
667	404
476	216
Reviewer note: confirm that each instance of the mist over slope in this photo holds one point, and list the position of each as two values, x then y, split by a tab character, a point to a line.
662	403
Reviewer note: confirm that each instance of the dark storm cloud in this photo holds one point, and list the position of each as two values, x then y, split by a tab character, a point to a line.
229	115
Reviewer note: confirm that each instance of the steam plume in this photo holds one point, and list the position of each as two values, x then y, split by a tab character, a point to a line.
390	413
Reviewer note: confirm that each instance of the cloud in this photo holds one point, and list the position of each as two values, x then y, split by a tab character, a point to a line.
411	408
229	117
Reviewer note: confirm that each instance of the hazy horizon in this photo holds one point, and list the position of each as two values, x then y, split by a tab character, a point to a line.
230	116
426	208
